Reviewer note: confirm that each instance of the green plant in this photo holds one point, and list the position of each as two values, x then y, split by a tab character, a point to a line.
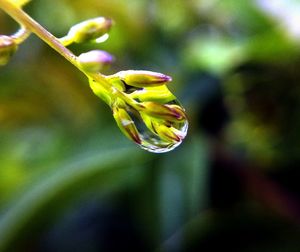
144	108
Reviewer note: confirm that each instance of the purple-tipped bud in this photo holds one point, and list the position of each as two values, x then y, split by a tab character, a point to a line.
95	60
168	133
126	124
164	130
168	112
90	29
141	78
7	48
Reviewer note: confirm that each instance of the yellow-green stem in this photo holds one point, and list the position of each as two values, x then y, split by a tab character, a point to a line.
30	24
21	35
25	20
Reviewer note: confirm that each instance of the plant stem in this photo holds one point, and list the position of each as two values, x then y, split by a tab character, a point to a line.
30	24
22	18
21	35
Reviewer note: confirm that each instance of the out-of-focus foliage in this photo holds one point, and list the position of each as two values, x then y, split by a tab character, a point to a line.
70	181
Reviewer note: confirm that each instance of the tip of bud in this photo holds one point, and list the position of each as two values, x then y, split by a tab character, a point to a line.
93	61
109	23
135	138
164	111
126	124
167	78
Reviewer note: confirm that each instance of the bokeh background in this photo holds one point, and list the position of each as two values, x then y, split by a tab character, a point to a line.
70	180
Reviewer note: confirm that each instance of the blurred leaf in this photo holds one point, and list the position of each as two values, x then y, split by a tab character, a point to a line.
213	53
49	186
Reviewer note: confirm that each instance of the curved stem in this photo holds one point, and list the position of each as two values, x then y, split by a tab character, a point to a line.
21	35
66	40
25	20
31	25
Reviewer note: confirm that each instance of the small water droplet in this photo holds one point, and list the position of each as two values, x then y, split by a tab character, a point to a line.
157	135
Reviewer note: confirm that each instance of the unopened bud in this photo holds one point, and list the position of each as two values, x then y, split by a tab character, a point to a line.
167	112
100	91
7	48
140	78
95	60
117	83
126	124
90	29
165	132
168	133
159	94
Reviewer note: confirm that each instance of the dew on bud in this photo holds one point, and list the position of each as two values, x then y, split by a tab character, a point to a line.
144	109
154	135
126	124
169	112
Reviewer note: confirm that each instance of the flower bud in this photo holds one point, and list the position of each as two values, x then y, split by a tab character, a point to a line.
140	78
126	124
7	48
165	132
116	82
95	60
100	91
164	111
90	29
168	133
159	94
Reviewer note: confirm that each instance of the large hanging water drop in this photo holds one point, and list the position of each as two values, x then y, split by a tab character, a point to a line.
152	133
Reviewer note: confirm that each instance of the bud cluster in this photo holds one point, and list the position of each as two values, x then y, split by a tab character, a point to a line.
142	105
91	30
144	108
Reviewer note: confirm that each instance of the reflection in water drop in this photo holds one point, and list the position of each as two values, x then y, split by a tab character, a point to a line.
154	134
144	109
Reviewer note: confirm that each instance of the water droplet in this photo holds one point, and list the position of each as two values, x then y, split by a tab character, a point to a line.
156	135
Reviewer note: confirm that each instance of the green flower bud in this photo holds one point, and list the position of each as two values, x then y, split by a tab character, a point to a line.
95	60
89	30
116	82
165	132
164	111
159	94
100	91
140	78
7	48
126	124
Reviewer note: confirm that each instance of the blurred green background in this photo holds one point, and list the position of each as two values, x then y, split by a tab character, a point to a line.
70	181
